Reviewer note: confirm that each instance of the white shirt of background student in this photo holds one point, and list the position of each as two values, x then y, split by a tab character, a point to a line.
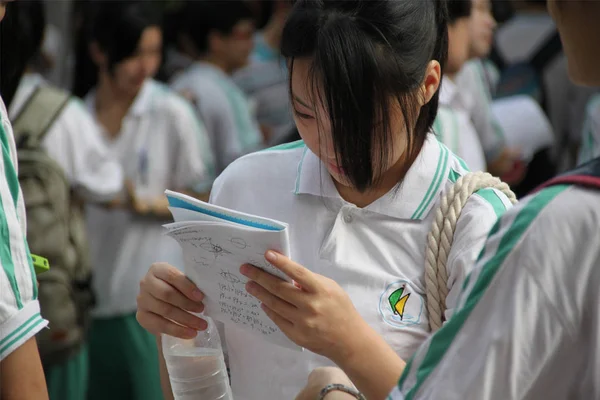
75	143
453	124
158	148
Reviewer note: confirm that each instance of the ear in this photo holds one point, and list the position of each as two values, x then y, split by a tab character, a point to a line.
431	82
97	55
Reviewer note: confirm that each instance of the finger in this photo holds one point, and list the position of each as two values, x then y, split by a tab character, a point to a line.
307	279
278	287
281	307
163	291
157	325
283	324
170	312
178	280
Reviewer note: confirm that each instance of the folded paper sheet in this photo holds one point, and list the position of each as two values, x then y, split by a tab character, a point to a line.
216	241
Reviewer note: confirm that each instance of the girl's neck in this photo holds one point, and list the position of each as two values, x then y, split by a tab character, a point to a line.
111	104
217	62
390	180
273	31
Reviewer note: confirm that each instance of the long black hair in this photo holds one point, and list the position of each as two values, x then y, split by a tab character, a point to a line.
366	55
21	37
116	26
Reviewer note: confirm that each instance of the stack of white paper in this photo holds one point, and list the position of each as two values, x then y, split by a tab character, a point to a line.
216	241
524	124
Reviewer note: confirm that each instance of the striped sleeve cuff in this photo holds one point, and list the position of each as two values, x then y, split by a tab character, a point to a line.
20	328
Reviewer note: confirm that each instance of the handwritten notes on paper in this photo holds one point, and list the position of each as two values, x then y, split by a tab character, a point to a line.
215	243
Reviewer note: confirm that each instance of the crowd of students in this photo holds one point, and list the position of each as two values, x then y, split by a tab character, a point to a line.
394	102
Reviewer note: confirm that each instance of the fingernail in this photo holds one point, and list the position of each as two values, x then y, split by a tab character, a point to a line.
271	256
198	295
244	269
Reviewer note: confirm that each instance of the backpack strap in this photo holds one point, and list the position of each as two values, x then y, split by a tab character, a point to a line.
586	175
37	115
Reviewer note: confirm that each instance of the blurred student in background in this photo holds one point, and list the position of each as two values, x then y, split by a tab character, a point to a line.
474	81
564	102
161	144
79	162
264	80
453	124
218	35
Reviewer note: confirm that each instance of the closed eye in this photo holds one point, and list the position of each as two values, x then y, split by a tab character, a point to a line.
302	115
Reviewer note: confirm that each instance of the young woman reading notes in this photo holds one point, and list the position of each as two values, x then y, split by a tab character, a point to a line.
527	326
357	193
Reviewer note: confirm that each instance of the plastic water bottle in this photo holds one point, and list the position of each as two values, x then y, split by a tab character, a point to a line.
196	366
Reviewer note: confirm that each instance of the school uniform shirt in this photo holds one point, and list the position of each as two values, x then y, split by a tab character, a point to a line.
454	128
590	141
224	109
474	81
75	143
20	318
265	81
158	148
372	252
527	326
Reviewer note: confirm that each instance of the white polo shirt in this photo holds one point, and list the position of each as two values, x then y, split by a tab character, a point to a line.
590	139
454	127
371	252
75	143
158	148
473	82
528	324
223	107
20	318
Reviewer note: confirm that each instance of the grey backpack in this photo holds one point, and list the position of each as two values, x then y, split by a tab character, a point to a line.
55	229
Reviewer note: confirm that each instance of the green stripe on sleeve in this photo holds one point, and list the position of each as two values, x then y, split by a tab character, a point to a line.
435	183
453	176
6	258
32	269
22	331
443	338
18	330
491	196
9	169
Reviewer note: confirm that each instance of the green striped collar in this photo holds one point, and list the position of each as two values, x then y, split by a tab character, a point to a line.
413	200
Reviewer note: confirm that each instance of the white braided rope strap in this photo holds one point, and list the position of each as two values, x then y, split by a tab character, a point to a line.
441	236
